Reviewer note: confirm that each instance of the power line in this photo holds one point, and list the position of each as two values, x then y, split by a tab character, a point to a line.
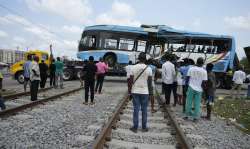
37	25
26	26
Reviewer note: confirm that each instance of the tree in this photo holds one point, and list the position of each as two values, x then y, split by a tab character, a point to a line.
245	63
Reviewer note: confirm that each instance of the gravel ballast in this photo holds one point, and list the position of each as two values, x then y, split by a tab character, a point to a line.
217	133
63	123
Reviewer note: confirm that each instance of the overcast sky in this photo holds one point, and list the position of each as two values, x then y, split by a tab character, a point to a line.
34	24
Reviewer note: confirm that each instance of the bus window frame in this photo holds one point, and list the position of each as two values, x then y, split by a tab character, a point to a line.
90	33
218	43
118	36
137	44
126	39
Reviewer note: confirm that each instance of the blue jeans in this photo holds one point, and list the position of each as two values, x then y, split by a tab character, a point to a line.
140	101
2	105
59	79
210	99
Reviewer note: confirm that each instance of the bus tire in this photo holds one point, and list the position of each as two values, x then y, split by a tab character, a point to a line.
68	74
19	77
110	58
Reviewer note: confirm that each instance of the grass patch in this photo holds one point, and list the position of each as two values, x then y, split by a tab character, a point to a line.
238	109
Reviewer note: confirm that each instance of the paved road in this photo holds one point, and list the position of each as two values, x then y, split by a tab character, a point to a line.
9	82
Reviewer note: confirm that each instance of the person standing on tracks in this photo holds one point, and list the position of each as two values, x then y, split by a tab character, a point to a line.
210	89
102	68
184	70
2	105
238	79
196	77
26	72
34	78
168	75
52	71
59	73
89	72
179	79
154	71
128	71
43	73
141	89
174	86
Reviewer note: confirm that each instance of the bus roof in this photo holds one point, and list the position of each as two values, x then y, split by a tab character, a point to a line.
163	31
169	31
117	28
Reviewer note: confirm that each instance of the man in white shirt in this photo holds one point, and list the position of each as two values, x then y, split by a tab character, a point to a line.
141	89
238	79
168	76
34	78
197	76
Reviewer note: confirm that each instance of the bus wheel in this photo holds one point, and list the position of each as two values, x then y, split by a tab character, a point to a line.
20	77
110	59
67	74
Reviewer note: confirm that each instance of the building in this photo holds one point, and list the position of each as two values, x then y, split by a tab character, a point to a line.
9	56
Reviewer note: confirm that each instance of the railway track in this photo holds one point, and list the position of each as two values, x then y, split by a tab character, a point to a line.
16	95
165	131
21	101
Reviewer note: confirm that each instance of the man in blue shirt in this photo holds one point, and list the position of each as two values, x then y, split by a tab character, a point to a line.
184	70
26	72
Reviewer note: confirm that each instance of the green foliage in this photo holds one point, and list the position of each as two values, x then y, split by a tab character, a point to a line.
245	63
235	109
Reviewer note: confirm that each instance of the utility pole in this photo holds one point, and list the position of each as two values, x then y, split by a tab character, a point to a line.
51	54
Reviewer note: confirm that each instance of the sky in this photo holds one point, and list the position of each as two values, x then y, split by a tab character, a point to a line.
35	24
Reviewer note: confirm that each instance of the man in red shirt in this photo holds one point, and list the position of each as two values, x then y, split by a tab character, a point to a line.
102	68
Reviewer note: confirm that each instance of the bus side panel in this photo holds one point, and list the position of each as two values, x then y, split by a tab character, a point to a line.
222	64
232	54
84	55
227	61
122	57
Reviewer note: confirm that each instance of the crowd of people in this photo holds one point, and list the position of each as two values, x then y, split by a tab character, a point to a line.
189	83
93	73
36	74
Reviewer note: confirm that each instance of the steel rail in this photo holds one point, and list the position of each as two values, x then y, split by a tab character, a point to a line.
13	96
8	112
104	135
181	137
